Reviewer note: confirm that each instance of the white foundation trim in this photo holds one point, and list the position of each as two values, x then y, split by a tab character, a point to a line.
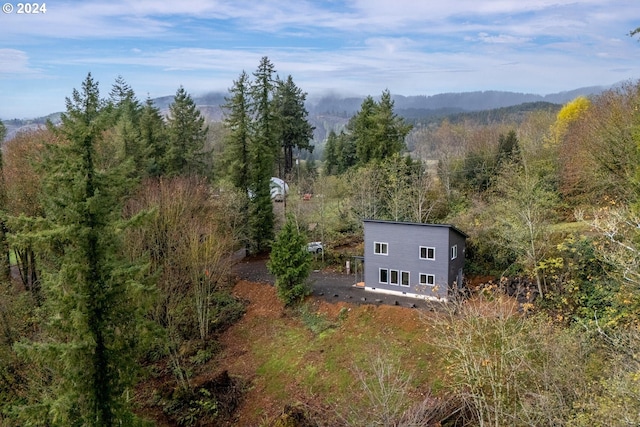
405	294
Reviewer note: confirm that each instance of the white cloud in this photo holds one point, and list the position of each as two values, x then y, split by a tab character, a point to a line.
362	46
498	39
13	61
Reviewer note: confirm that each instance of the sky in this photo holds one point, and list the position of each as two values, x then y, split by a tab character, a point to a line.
349	47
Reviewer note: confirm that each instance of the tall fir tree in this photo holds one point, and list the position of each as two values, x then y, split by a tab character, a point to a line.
262	156
125	111
122	99
346	149
153	134
293	128
375	132
390	130
187	136
360	130
331	154
238	122
5	267
94	319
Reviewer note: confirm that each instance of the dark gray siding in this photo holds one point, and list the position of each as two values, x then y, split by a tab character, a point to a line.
404	241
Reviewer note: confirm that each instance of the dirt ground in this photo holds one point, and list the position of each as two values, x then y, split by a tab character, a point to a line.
266	317
263	308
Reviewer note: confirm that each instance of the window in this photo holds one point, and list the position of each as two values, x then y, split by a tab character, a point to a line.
454	251
427	279
393	277
384	275
380	248
404	278
427	252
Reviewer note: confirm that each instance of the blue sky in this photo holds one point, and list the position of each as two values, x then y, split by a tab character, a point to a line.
355	47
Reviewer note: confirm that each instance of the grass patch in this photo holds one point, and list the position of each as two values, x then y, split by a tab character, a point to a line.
571	227
316	322
282	355
310	355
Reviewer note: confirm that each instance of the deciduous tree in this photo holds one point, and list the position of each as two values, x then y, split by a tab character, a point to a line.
523	209
598	156
23	158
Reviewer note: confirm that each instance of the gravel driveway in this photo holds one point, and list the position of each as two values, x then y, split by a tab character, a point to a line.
330	286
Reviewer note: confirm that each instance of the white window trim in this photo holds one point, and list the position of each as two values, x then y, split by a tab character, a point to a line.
386	246
454	251
426	279
380	275
427	249
397	282
408	278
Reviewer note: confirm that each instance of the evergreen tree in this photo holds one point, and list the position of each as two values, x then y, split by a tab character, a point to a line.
375	132
262	156
187	135
5	267
92	325
264	120
361	131
290	262
125	111
122	100
331	153
390	130
508	148
238	121
153	136
294	130
347	155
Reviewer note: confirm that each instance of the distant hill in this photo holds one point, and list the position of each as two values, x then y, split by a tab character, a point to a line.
16	125
332	111
513	113
453	102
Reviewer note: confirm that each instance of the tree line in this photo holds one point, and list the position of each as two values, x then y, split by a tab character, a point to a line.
119	224
122	246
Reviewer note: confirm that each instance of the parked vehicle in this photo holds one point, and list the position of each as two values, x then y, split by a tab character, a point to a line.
315	247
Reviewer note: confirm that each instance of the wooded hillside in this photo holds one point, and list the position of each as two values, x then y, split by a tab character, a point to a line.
120	226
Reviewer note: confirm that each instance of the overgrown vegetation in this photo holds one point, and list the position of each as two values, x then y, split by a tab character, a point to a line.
123	226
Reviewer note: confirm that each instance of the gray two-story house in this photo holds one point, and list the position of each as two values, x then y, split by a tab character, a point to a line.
412	259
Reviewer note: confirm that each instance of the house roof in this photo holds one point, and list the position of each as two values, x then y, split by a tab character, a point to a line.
452	227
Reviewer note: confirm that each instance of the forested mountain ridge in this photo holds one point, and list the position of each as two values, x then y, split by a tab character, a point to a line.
333	109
